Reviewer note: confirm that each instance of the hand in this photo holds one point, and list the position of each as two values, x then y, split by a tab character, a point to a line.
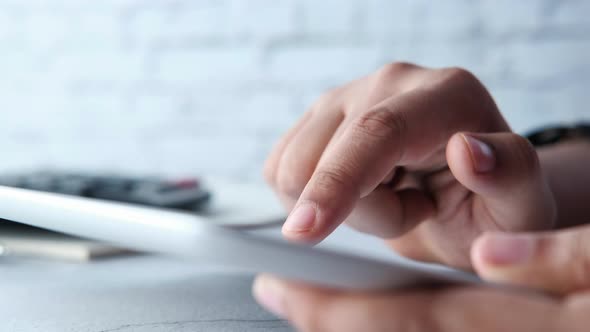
410	151
313	309
557	262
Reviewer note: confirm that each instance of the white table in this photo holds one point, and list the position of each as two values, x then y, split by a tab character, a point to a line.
149	293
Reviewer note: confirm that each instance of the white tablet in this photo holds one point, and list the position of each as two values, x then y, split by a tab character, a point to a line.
201	242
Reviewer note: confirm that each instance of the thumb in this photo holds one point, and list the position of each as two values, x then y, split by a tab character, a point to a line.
558	262
503	171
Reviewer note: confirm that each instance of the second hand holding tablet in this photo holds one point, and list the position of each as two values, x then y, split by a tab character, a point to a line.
195	238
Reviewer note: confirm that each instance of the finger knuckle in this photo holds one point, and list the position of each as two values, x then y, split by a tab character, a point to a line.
381	124
332	178
269	172
526	154
460	75
467	94
393	70
291	179
328	99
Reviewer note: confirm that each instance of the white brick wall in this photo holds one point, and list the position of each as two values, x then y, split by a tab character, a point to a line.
206	86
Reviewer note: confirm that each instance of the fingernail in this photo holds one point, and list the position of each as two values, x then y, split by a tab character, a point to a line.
302	219
484	159
268	292
508	249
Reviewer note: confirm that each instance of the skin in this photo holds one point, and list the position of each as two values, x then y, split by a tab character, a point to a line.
461	309
556	262
423	159
388	154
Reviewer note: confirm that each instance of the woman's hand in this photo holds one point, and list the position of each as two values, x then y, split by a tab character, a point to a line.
557	262
313	309
418	156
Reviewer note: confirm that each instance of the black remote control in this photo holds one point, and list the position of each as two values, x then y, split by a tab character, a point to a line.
184	194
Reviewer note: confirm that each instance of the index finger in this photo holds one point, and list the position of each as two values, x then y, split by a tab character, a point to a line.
401	130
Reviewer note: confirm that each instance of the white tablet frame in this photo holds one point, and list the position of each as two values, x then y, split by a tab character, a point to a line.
193	237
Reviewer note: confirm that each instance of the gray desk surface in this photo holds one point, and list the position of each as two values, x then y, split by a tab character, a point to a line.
142	293
146	293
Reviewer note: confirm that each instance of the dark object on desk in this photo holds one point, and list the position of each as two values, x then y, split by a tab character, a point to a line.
19	240
552	135
182	194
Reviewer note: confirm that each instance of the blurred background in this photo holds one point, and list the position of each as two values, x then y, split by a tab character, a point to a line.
206	87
